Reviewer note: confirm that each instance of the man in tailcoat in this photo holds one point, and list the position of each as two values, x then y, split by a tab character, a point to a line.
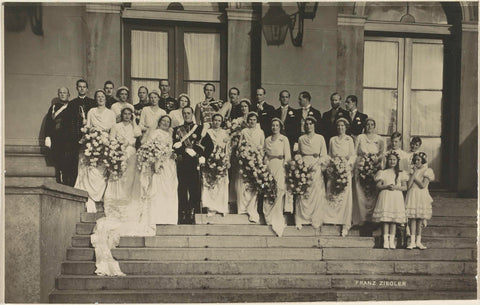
288	116
306	110
191	145
331	116
356	119
234	96
265	111
59	138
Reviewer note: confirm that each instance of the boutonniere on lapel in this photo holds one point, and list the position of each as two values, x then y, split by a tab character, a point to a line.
340	114
310	113
358	118
194	136
290	113
177	136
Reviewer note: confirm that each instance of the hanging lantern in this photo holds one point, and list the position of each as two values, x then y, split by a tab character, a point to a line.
275	25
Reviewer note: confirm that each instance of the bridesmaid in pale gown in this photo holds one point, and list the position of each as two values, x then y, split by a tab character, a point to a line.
246	198
123	95
176	115
151	114
277	154
366	143
216	199
126	131
338	210
162	194
92	179
314	151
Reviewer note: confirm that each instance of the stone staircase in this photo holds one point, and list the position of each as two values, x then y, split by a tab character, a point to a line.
227	259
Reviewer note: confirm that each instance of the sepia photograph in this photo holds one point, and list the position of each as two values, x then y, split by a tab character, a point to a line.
232	152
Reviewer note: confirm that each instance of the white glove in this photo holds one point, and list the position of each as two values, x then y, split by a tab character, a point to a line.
295	147
177	145
201	160
48	142
191	152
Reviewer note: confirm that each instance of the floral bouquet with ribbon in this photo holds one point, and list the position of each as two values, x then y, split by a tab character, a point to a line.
152	155
337	171
254	171
216	167
116	159
94	146
299	176
367	169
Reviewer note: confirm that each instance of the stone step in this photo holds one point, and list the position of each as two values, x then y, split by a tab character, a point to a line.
450	242
133	282
442	232
278	267
363	254
202	267
454	207
453	221
196	254
91	217
250	295
200	229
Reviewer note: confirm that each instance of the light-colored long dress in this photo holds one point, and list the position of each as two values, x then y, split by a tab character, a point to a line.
92	179
363	205
339	210
177	117
247	199
309	209
216	198
120	214
162	192
277	153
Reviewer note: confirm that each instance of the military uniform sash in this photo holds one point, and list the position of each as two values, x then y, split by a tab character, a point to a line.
185	136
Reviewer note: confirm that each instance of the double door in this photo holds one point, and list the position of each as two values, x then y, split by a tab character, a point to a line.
403	91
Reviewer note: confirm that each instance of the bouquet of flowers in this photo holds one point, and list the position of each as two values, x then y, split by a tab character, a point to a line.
94	146
234	128
216	167
115	159
367	168
150	156
255	172
299	176
337	171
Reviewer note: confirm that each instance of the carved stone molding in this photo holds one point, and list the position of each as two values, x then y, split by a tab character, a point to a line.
241	14
109	8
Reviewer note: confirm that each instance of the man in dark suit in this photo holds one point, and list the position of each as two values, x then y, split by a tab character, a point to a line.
108	87
265	112
331	116
59	138
306	110
288	116
191	145
356	119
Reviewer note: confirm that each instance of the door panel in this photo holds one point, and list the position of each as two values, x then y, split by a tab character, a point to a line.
403	91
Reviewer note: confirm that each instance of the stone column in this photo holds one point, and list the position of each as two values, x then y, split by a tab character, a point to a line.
241	18
468	129
350	56
103	45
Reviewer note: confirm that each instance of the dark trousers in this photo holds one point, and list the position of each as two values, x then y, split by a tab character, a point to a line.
188	188
66	164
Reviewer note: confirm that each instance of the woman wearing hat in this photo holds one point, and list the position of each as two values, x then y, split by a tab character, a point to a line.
151	114
247	198
123	94
277	154
338	209
313	149
91	179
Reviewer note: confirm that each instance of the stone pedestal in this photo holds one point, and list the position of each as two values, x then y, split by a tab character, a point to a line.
40	221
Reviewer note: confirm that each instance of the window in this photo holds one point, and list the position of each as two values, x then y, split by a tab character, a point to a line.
189	56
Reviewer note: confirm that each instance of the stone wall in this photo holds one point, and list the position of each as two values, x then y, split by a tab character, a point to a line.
40	221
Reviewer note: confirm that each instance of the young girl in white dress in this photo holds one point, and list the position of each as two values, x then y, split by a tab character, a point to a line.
418	200
390	207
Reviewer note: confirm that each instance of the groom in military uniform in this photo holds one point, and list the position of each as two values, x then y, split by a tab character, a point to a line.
191	144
